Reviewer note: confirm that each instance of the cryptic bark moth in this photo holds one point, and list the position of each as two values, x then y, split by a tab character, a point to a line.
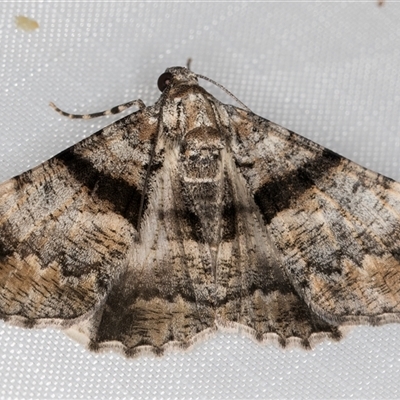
192	215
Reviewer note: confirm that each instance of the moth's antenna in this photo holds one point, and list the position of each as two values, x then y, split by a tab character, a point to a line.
224	89
115	110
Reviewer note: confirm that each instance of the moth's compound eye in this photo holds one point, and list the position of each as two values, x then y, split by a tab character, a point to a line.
164	80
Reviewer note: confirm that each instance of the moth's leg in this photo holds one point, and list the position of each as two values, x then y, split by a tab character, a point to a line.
115	110
188	63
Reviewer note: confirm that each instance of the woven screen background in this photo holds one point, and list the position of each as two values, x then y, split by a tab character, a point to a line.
327	70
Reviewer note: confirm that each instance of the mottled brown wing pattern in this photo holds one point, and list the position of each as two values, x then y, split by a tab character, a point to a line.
66	226
335	224
258	295
189	216
165	297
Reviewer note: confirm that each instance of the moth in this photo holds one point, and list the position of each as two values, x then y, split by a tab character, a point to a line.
189	216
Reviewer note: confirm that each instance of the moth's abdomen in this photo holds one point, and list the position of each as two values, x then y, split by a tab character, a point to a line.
202	178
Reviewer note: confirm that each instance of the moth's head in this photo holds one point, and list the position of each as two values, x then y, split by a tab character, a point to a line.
176	76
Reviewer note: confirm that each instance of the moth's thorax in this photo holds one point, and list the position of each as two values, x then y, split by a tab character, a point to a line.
186	105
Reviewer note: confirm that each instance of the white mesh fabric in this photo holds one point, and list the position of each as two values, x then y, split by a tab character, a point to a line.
329	71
